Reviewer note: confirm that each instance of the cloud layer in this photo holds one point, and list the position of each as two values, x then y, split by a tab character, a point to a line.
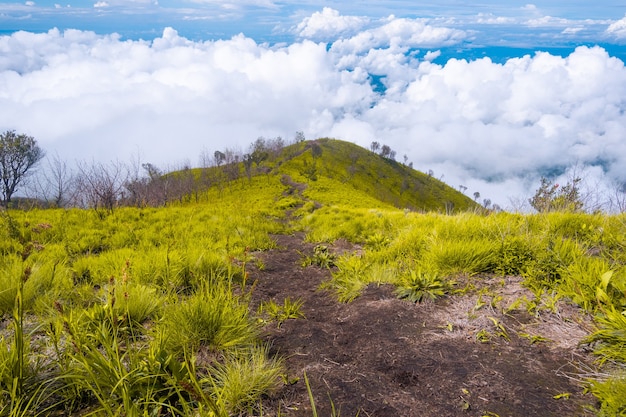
495	128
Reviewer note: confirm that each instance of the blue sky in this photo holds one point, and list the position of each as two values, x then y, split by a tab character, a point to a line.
490	95
494	22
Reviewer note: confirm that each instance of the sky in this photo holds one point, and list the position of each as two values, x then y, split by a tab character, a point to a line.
490	96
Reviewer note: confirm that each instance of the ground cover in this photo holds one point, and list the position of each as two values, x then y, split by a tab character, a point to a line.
382	356
229	307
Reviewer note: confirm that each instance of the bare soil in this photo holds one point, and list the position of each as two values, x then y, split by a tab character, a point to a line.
381	356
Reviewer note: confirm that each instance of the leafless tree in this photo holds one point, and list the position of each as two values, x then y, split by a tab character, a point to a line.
617	198
101	186
55	184
231	164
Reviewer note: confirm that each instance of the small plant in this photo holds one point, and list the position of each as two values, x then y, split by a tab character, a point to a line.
500	329
483	336
611	392
420	286
534	338
322	257
610	337
333	413
281	313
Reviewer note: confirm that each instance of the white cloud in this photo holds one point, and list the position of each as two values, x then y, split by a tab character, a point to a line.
548	21
30	3
572	30
617	28
481	124
432	55
237	4
329	23
530	8
398	35
101	4
490	19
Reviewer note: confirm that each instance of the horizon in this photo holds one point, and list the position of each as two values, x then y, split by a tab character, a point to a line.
490	96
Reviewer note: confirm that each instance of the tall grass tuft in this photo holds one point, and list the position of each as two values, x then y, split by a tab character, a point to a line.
241	379
350	278
470	256
213	317
611	392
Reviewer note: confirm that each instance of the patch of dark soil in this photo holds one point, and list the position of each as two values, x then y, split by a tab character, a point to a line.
380	356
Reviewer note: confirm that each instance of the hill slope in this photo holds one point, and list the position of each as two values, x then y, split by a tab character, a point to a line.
336	171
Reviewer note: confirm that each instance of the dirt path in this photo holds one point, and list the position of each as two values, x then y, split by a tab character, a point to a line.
380	356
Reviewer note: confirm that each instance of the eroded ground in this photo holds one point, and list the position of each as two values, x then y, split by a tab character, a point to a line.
380	356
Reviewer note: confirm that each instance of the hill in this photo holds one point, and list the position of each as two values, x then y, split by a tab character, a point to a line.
332	171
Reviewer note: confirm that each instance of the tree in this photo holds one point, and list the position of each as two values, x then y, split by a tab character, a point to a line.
101	186
259	151
617	199
18	154
375	146
219	158
553	197
57	185
299	137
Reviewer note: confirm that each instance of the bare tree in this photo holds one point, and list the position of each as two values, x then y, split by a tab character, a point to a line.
18	154
232	158
56	185
617	197
101	186
205	158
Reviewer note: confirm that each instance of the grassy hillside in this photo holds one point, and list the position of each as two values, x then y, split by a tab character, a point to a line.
331	171
336	171
146	311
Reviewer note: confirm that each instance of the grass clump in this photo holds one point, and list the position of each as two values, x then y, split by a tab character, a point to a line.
239	381
350	278
211	317
281	313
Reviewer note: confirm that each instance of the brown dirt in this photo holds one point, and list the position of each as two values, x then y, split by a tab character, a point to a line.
380	356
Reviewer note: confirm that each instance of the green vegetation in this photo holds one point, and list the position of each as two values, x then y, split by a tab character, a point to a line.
145	311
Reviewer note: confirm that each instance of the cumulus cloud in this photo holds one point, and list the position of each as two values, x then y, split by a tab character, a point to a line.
617	28
393	39
495	128
432	55
328	24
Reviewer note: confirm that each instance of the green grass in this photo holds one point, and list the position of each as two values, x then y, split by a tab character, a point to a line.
212	317
146	310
